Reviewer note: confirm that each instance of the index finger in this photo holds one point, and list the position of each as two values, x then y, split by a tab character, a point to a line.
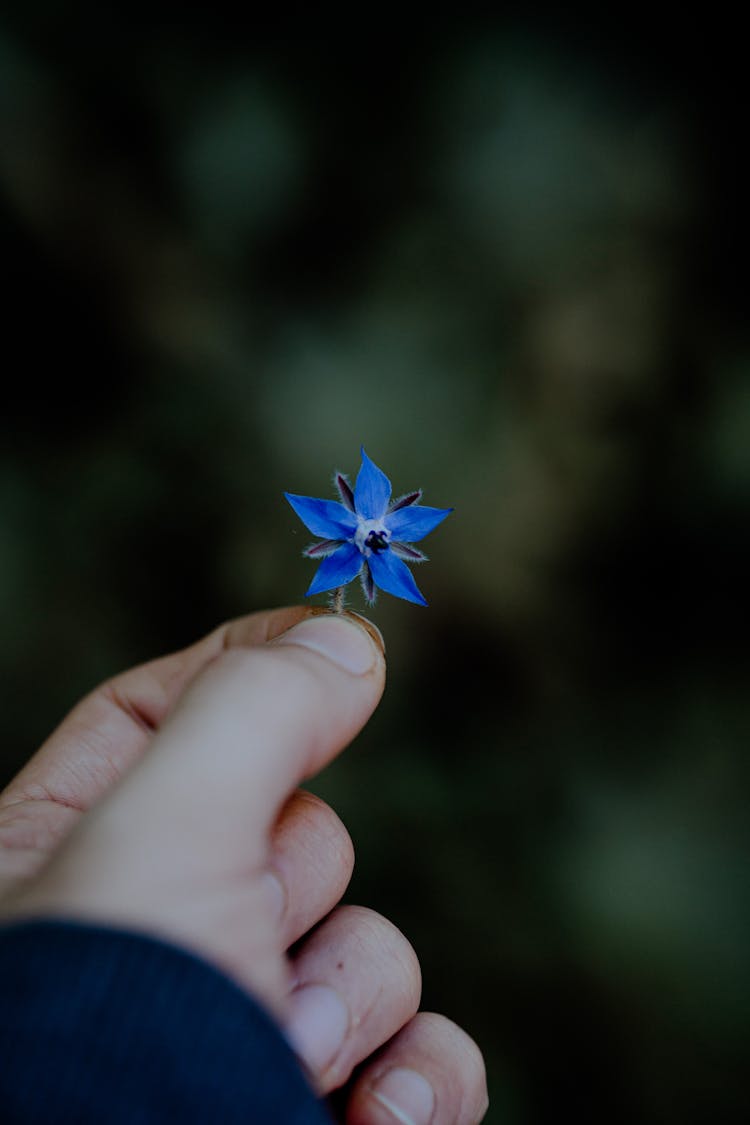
256	724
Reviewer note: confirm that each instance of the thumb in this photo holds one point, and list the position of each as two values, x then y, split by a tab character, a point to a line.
191	820
253	725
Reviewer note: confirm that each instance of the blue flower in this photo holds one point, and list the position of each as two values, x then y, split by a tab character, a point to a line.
367	534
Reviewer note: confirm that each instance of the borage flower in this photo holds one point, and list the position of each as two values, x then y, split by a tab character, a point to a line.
367	534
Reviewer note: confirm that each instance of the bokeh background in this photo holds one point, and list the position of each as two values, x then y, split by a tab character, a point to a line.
505	256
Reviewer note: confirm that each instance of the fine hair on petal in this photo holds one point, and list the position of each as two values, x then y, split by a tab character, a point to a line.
409	554
405	501
368	585
322	548
344	489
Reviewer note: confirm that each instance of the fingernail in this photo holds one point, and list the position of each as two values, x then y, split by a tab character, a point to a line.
338	638
275	894
373	630
406	1095
317	1025
357	618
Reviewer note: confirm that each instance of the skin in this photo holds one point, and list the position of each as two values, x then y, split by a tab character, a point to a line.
168	802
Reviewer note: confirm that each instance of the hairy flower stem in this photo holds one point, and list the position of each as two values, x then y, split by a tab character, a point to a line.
336	599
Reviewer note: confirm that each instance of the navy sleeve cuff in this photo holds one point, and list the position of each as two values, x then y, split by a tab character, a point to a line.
100	1025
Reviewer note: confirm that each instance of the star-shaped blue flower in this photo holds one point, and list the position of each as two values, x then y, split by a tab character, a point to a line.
367	534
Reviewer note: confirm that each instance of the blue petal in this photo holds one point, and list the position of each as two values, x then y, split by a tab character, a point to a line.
338	569
326	518
372	491
412	524
394	576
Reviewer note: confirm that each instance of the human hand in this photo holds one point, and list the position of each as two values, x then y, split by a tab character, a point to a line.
167	802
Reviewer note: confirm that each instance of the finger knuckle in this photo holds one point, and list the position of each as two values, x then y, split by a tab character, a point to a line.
381	940
467	1057
333	844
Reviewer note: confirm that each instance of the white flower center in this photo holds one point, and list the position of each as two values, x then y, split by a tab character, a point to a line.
371	535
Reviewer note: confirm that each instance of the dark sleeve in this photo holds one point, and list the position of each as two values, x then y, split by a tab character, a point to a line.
100	1025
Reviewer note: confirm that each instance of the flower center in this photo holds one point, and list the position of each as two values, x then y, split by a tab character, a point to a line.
371	536
376	541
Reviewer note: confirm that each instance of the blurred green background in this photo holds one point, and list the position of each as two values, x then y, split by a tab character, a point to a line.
504	255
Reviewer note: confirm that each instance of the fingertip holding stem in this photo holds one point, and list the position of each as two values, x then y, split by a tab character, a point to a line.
356	618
